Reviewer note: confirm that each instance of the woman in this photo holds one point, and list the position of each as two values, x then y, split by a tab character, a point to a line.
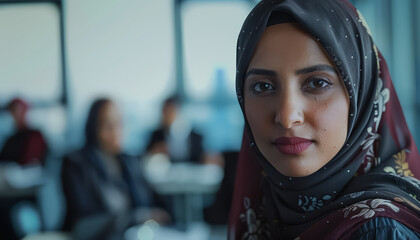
326	152
105	190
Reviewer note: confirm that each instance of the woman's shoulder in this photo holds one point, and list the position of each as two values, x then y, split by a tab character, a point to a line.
384	228
77	157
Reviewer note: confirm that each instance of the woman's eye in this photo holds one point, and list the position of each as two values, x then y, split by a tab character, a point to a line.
317	84
261	87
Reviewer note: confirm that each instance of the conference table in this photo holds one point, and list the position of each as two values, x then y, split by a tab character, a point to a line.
20	181
151	230
186	183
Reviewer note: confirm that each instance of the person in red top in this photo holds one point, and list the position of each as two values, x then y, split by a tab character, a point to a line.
26	145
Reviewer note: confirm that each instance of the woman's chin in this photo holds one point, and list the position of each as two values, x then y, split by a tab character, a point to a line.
296	166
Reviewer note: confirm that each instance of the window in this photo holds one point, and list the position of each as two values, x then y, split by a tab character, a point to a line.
210	31
30	56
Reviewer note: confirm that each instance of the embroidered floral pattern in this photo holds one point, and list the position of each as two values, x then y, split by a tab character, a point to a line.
370	139
368	208
356	194
309	204
362	20
256	229
382	97
403	200
402	168
370	159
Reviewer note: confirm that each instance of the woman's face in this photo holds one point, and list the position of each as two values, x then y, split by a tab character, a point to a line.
295	102
109	128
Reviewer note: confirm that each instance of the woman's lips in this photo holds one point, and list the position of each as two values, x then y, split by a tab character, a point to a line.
292	145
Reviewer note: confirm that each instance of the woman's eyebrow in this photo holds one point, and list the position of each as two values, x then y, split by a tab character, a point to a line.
319	67
257	71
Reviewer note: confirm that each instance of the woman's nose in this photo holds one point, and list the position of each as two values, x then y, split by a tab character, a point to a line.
289	112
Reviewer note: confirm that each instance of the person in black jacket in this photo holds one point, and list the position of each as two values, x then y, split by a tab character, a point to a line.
104	188
175	137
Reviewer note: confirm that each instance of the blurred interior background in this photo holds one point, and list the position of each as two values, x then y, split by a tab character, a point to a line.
61	55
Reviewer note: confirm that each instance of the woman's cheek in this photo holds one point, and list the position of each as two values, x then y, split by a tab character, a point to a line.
330	120
258	116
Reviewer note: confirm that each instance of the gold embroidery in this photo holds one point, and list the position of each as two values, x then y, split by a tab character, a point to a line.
402	200
377	57
402	166
363	21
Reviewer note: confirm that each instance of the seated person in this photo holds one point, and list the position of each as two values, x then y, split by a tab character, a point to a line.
174	137
99	182
26	145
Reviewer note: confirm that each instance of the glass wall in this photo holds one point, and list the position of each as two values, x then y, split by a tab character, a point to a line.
30	51
395	27
123	51
127	51
210	30
31	65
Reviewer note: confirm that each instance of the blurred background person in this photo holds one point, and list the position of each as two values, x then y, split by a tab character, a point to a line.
28	148
175	136
104	188
25	145
60	55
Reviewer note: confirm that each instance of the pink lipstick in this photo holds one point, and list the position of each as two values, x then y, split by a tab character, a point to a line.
292	145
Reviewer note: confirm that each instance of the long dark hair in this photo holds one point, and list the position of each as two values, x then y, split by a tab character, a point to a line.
91	127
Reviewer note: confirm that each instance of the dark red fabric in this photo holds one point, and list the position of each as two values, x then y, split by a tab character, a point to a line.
333	227
247	185
25	147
